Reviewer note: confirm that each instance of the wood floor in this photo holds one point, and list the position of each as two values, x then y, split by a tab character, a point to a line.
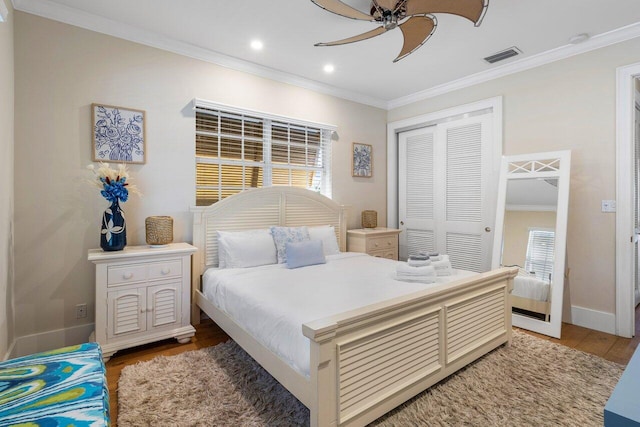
607	346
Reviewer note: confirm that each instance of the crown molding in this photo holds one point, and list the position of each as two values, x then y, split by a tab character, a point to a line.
68	15
78	18
596	42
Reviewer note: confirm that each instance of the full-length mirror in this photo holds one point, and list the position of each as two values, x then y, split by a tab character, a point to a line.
531	230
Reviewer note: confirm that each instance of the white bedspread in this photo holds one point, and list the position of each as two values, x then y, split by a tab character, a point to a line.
530	287
272	302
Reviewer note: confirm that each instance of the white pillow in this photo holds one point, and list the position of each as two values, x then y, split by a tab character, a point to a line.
326	233
284	235
240	249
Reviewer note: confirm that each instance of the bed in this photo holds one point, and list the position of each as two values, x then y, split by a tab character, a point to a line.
346	381
531	294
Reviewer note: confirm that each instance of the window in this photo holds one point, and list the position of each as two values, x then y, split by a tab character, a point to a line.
239	149
539	259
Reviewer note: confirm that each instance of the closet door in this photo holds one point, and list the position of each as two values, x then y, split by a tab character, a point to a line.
466	201
447	191
415	192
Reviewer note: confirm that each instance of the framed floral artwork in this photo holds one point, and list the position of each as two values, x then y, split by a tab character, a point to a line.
362	160
118	134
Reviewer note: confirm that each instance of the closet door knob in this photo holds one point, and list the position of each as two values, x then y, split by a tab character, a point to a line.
487	229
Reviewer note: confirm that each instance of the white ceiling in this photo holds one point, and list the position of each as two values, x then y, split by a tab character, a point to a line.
532	193
220	31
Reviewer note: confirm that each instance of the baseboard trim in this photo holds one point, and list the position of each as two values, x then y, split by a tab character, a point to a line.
50	340
9	352
593	319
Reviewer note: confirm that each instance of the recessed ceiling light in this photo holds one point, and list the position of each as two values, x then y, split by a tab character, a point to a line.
329	68
256	44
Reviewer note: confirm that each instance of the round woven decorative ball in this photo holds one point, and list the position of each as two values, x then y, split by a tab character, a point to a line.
159	230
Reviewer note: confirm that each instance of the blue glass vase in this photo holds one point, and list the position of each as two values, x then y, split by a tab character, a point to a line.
113	236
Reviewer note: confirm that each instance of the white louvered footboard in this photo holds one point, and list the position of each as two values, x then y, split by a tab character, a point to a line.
375	367
473	322
367	362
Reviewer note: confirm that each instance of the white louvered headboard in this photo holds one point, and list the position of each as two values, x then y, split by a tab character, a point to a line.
262	208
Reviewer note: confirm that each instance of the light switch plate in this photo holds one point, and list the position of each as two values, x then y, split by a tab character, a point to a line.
608	206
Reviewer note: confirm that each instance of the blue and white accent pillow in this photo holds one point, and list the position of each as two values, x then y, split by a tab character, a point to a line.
284	235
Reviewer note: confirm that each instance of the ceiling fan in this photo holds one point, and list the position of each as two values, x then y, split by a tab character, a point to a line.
414	17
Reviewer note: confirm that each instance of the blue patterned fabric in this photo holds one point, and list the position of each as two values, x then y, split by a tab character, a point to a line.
64	387
284	235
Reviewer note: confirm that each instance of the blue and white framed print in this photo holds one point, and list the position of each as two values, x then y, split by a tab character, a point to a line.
118	134
362	161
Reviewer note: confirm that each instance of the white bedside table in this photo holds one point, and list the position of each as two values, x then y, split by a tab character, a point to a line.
380	242
142	295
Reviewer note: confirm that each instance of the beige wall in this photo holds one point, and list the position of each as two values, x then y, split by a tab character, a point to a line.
569	104
60	71
6	180
516	233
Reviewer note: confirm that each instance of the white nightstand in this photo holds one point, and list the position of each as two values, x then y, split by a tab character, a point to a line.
142	295
380	242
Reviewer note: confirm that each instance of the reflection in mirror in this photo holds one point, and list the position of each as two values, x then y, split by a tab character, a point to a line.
528	242
531	228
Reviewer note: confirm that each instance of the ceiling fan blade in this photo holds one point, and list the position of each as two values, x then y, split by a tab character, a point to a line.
473	10
340	8
416	30
363	36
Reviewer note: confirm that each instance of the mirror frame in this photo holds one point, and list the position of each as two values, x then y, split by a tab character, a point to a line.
553	164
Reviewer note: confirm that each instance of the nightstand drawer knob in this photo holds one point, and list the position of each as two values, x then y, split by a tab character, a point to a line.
127	276
165	271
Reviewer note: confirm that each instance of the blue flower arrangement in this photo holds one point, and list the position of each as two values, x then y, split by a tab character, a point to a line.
113	183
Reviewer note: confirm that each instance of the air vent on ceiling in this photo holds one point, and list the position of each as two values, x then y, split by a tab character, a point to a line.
502	55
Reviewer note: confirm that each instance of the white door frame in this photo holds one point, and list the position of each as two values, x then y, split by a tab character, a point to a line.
625	298
394	128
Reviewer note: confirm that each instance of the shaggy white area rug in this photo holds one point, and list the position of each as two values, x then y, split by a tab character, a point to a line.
531	383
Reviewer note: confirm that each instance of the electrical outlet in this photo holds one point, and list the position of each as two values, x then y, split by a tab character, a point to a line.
81	311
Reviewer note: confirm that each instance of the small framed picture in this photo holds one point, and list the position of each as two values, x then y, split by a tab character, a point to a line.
118	134
362	160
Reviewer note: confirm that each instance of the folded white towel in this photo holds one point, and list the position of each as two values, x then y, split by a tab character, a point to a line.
404	269
443	268
418	263
444	272
419	274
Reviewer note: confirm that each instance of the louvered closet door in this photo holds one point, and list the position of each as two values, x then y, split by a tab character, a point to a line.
446	194
416	191
465	196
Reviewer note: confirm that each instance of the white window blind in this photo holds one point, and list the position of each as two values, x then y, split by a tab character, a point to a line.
239	149
540	248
